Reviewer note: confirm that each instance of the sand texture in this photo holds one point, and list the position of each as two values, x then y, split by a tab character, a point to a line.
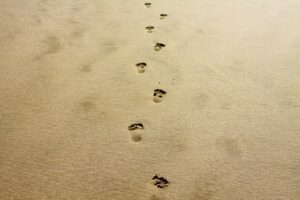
172	100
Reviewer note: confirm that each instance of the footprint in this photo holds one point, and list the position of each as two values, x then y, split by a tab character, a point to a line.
148	5
135	126
160	182
158	95
159	46
149	29
141	67
163	16
135	133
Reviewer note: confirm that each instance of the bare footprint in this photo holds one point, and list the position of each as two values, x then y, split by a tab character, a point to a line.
158	95
160	182
163	16
148	5
149	29
141	67
159	46
135	133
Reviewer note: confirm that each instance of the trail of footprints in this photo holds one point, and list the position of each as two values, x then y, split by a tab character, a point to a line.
136	129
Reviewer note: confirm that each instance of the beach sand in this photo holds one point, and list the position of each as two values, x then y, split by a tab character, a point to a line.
227	124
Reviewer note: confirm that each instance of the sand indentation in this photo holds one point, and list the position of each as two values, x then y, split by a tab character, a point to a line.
158	46
141	67
158	95
160	182
136	126
163	16
135	132
149	29
147	4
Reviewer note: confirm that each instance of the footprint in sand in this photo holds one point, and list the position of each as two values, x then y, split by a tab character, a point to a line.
148	5
141	67
159	46
163	16
158	95
135	130
149	29
160	182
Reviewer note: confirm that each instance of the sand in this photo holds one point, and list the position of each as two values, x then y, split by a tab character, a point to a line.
227	126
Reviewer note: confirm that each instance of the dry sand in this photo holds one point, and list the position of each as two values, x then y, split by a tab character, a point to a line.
228	127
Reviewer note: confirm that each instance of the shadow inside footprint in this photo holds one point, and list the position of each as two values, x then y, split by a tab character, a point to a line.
163	16
141	67
135	126
159	46
158	95
160	182
149	29
148	5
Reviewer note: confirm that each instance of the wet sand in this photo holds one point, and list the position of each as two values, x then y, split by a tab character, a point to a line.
91	109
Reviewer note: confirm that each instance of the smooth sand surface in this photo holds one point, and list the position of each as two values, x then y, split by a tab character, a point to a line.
228	127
